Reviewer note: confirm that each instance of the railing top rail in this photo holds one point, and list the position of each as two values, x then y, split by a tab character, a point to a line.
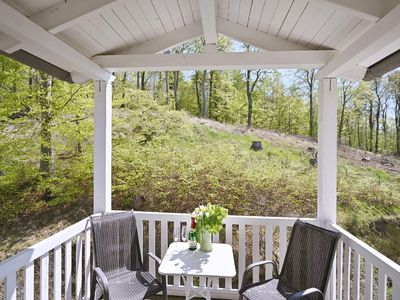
230	219
25	257
391	268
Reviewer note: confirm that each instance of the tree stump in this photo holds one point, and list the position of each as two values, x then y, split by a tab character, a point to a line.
256	145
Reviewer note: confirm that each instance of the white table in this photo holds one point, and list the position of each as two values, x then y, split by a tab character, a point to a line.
182	262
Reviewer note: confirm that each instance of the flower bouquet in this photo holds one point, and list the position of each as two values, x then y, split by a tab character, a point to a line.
209	219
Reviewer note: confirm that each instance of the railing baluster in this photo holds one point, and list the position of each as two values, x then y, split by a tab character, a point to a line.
68	270
78	267
242	251
44	277
57	273
29	281
356	277
368	280
339	282
268	250
228	239
139	225
87	264
152	247
215	280
282	245
164	237
382	285
177	280
256	252
396	288
11	287
346	275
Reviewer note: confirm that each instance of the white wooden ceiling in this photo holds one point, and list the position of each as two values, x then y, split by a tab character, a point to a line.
344	37
308	23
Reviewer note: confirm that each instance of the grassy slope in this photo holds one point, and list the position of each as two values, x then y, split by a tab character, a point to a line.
163	161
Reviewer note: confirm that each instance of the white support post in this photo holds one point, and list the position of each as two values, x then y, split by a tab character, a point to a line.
327	160
327	149
102	146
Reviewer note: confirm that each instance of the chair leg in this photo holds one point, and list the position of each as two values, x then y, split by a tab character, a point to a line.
165	295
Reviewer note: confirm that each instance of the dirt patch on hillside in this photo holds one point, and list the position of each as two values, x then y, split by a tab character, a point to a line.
388	163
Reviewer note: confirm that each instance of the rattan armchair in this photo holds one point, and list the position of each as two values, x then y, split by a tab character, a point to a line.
119	272
305	271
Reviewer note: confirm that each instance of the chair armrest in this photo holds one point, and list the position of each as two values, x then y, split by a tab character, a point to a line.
302	294
158	262
100	278
257	264
154	257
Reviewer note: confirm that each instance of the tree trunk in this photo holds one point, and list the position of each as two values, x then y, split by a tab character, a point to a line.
143	83
249	100
196	79
124	83
176	82
203	93
46	165
378	115
371	124
397	121
167	87
311	97
210	94
137	79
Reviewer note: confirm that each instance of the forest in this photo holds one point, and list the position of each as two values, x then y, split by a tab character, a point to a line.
159	155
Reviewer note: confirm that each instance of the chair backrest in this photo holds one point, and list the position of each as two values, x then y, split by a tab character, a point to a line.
116	242
308	259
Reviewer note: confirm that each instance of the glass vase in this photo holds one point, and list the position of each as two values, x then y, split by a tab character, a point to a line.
205	240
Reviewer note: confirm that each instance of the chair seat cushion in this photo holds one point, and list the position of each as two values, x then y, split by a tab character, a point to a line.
132	285
266	290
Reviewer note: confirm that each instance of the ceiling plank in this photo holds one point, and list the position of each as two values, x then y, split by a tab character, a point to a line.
168	40
216	61
371	10
383	33
253	37
48	47
208	19
69	13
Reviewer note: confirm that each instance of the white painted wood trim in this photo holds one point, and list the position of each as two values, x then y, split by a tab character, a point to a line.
216	61
168	40
29	281
48	46
11	286
25	257
370	10
67	14
44	277
57	267
383	33
102	146
327	149
208	15
256	38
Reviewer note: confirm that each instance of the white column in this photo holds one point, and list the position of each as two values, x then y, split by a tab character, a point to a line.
327	149
327	161
102	146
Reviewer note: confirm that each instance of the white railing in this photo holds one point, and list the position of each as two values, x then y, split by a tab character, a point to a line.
252	238
64	267
59	267
362	272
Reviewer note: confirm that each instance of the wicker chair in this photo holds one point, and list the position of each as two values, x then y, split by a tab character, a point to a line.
305	271
119	271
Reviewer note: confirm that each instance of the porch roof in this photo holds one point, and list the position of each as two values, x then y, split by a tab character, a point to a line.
91	38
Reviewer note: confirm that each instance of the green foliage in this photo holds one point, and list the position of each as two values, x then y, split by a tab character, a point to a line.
210	217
